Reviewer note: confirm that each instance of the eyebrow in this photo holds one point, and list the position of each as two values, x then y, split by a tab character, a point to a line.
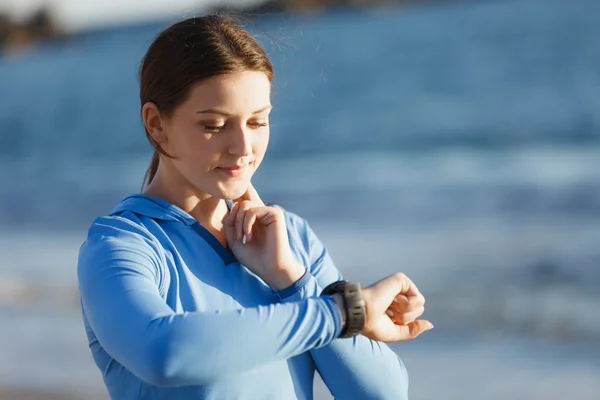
226	114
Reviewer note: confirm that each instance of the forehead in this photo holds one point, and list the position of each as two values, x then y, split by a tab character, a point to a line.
237	92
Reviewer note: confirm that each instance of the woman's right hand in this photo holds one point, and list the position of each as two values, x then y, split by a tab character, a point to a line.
392	307
257	235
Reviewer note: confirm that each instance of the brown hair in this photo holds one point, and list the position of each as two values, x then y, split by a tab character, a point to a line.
188	52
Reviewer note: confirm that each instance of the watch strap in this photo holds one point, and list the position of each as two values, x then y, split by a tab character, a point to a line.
354	306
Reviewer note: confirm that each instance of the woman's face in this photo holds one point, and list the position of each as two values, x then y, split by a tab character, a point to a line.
219	135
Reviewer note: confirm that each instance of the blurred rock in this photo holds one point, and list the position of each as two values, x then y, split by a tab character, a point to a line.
38	27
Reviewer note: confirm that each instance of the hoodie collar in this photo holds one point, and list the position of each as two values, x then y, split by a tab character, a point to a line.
154	208
160	209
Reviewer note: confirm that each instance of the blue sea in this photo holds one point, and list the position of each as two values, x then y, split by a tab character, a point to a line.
457	142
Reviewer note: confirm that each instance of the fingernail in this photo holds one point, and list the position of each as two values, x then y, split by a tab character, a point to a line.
244	239
430	326
389	312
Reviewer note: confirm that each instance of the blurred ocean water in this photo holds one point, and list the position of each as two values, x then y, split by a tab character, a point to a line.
457	143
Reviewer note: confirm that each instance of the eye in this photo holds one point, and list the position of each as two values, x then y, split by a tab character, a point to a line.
214	128
256	125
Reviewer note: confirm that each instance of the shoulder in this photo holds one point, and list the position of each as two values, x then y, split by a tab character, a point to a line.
123	237
125	227
118	251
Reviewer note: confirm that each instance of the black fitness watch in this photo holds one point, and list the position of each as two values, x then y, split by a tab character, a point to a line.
353	304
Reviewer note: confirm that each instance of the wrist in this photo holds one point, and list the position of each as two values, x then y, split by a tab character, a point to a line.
352	303
286	276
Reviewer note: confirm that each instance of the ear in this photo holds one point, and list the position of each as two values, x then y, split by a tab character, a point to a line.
153	122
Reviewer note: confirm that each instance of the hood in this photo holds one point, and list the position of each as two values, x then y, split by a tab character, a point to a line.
154	208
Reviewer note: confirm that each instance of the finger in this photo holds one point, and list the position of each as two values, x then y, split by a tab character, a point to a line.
407	286
412	330
393	317
405	318
229	220
248	223
230	232
251	194
393	285
403	304
418	300
264	215
239	219
267	215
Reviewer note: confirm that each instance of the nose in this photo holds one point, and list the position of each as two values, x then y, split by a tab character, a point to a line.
240	144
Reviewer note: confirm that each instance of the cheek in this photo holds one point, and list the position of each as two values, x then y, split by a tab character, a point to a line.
260	148
191	145
261	144
202	152
177	136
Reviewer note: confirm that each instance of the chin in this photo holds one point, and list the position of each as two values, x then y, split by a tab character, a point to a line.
231	191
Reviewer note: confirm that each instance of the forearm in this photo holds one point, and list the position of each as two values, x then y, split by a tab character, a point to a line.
356	368
271	333
198	347
136	327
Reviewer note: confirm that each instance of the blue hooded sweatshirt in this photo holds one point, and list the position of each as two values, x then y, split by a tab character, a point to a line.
171	314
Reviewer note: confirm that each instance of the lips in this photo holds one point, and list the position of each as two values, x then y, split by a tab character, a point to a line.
234	170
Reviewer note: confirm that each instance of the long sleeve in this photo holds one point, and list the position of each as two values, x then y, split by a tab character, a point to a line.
354	368
120	276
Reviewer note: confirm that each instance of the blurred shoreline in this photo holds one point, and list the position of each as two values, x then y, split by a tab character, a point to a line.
44	24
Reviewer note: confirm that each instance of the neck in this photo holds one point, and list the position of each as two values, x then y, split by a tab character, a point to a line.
208	210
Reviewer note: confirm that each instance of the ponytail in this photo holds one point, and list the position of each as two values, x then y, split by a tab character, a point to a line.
151	172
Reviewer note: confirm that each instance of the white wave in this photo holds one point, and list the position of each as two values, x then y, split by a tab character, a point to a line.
80	14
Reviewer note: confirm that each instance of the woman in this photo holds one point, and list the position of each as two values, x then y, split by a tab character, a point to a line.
195	289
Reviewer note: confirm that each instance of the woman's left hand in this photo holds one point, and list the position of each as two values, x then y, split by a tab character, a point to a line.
392	306
257	236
